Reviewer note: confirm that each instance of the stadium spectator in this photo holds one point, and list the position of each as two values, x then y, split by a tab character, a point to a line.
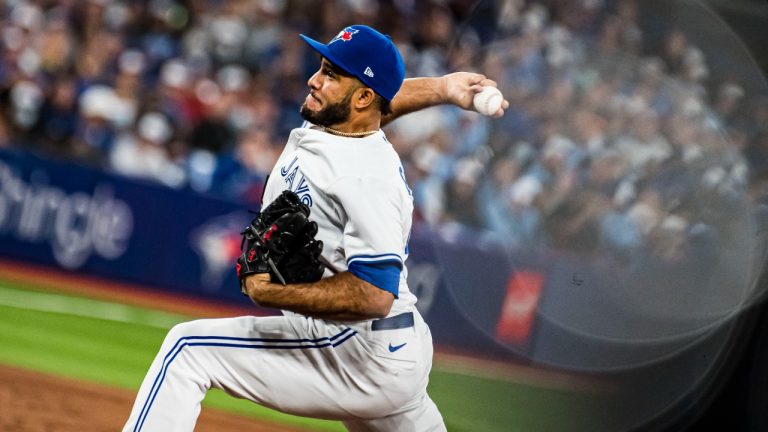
144	154
602	143
643	145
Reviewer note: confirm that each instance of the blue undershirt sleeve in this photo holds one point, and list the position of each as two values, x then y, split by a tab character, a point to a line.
381	274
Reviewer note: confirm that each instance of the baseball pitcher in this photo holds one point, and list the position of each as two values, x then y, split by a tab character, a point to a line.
329	249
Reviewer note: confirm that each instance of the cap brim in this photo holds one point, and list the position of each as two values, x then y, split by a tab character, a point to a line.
323	50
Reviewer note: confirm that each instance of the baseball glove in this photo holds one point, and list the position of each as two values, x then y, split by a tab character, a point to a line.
280	241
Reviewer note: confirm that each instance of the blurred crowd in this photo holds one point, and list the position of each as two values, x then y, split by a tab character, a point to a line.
609	145
612	147
198	94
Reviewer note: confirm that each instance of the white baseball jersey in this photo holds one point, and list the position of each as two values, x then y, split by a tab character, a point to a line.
371	374
358	195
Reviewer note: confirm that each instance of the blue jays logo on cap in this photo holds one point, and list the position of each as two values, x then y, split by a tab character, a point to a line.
344	35
367	55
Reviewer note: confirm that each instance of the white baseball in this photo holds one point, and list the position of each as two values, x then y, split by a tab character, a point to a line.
488	101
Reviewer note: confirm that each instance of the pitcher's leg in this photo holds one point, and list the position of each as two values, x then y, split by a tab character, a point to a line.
182	389
247	357
423	416
419	414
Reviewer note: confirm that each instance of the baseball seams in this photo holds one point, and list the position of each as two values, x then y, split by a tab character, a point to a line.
488	101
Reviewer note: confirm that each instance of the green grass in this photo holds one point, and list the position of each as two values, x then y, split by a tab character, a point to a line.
114	344
480	404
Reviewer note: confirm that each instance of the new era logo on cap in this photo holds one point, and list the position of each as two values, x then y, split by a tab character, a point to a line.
368	72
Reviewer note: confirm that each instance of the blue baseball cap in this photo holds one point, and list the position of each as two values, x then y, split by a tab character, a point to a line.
366	54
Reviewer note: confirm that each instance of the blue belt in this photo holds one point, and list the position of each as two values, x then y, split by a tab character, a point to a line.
401	321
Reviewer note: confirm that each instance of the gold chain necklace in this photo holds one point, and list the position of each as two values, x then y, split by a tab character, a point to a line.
348	134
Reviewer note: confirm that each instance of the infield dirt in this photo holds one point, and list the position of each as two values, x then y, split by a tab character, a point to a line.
36	402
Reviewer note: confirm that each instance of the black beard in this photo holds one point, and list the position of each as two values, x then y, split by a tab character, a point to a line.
332	114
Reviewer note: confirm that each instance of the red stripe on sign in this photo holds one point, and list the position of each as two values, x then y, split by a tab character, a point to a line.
519	306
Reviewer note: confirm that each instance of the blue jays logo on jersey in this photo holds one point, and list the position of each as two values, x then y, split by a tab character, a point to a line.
344	35
296	181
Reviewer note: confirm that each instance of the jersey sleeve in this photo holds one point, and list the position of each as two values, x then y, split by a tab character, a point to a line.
373	229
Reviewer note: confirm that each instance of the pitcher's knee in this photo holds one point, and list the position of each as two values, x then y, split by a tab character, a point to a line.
177	331
181	331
